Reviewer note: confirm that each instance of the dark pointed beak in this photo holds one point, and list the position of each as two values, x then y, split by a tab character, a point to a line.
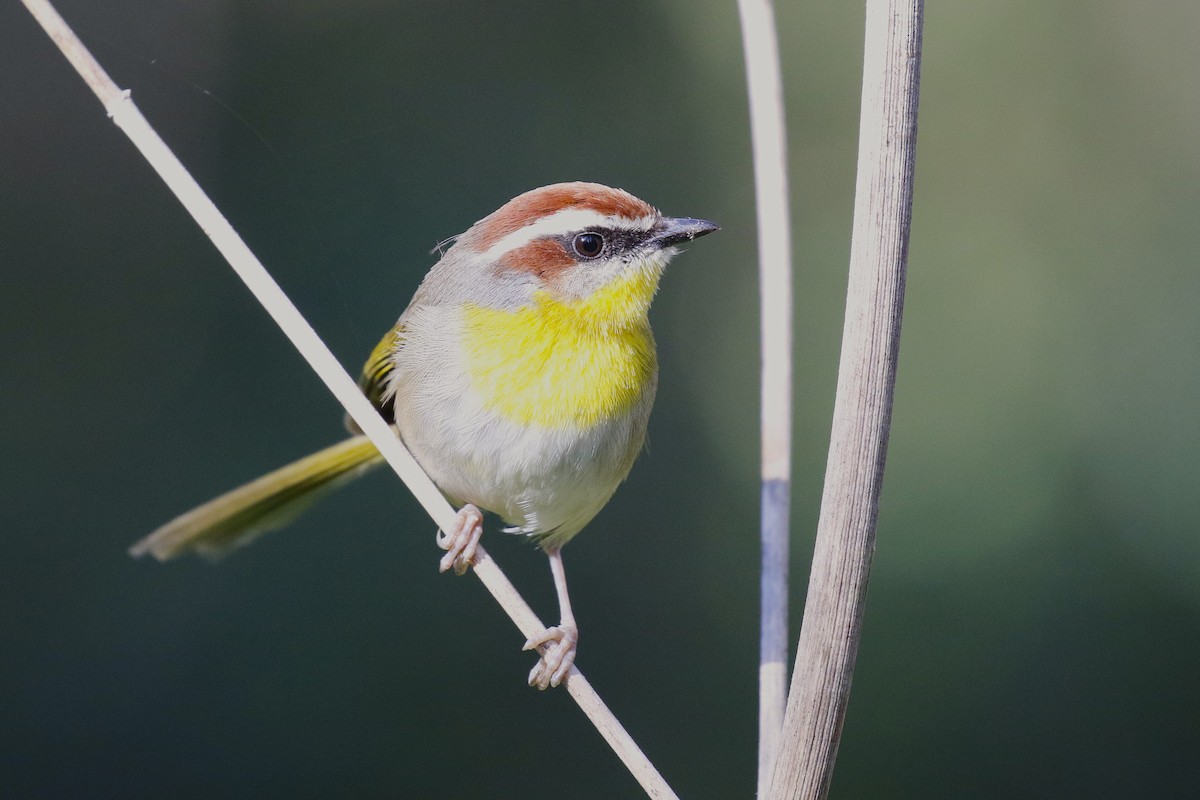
673	230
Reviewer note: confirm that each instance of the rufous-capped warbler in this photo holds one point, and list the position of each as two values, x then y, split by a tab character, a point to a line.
520	376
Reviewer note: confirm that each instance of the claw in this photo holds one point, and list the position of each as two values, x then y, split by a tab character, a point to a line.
462	541
559	644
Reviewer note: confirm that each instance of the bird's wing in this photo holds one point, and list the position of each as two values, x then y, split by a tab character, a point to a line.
375	380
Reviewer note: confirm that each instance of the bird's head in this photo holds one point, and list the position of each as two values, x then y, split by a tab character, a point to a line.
578	245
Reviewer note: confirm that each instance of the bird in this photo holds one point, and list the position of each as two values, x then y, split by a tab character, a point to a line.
520	376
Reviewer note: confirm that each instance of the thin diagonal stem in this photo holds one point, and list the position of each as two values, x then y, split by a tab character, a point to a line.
124	113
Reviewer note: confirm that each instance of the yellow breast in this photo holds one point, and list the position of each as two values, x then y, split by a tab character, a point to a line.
557	364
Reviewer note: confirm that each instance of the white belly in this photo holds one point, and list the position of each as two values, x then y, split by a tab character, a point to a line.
541	481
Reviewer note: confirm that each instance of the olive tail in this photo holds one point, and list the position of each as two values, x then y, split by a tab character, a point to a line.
238	517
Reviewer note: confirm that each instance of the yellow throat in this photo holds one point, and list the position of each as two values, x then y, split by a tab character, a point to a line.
565	364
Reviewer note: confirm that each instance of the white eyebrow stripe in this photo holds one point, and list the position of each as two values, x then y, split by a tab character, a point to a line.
565	221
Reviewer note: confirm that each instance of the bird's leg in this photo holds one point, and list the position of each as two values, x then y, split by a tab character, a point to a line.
561	640
461	541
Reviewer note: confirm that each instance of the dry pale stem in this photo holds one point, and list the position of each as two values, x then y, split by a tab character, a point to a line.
126	115
768	137
845	543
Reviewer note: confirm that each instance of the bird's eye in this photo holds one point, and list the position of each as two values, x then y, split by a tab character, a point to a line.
588	245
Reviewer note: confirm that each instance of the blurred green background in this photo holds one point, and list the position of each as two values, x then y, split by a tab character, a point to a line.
1032	625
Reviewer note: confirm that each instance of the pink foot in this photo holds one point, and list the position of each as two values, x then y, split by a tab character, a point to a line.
557	645
461	541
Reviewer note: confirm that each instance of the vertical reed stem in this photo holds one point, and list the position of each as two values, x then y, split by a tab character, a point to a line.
833	610
768	136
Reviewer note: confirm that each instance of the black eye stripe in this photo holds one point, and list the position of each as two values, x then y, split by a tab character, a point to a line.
626	240
613	242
